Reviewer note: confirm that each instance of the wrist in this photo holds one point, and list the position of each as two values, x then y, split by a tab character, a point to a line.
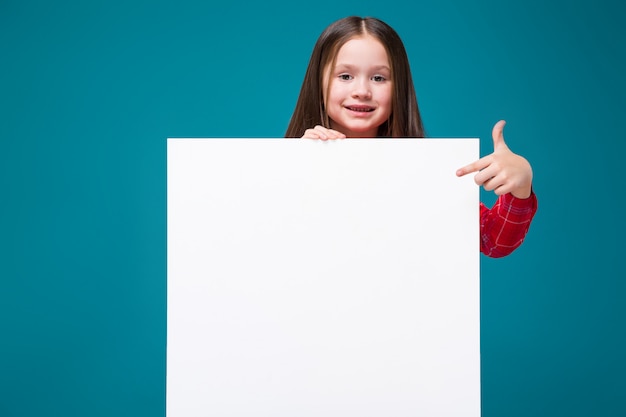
522	192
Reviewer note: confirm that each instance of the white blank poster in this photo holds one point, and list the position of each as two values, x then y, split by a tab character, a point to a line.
322	278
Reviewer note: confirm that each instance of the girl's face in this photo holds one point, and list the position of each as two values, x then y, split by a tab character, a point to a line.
358	91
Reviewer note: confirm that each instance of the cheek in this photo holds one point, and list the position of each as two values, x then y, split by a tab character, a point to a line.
388	103
389	95
385	98
332	92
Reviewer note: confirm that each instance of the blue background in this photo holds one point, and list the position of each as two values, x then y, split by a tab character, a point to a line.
89	92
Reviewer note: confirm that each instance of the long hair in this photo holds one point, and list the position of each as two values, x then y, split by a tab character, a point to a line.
405	119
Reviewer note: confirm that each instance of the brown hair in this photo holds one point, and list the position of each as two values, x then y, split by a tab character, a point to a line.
405	119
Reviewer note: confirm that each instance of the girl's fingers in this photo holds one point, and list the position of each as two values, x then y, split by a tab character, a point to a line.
322	133
474	166
500	184
329	133
337	134
482	177
326	133
313	134
503	189
492	184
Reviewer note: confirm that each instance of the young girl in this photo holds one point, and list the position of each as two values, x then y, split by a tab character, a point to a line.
358	85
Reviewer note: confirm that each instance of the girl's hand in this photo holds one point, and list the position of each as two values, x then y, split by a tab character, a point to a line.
320	132
502	171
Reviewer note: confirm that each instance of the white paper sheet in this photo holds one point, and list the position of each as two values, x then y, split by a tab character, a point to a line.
312	278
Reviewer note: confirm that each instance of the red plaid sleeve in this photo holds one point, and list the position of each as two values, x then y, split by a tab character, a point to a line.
504	226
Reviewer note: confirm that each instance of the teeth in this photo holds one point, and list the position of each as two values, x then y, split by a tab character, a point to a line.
360	109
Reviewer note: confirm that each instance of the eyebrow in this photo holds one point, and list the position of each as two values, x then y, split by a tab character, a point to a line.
352	67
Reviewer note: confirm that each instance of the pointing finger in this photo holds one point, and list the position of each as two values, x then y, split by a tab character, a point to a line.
474	166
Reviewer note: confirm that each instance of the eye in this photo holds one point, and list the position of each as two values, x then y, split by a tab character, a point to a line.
345	77
378	78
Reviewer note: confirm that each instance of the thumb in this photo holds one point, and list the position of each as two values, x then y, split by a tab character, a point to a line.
498	135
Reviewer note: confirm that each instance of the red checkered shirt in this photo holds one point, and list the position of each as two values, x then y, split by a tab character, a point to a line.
504	226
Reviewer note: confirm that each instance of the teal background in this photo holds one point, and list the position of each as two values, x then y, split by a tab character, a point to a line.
89	92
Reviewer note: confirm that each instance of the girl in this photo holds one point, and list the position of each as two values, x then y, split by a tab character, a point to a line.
358	85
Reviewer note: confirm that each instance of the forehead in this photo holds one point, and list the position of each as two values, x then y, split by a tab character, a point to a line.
362	50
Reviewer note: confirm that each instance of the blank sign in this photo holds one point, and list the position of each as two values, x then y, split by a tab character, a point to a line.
322	278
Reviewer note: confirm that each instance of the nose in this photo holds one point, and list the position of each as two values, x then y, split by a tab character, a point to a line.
362	89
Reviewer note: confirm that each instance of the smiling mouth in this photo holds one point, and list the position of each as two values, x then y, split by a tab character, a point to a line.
362	109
